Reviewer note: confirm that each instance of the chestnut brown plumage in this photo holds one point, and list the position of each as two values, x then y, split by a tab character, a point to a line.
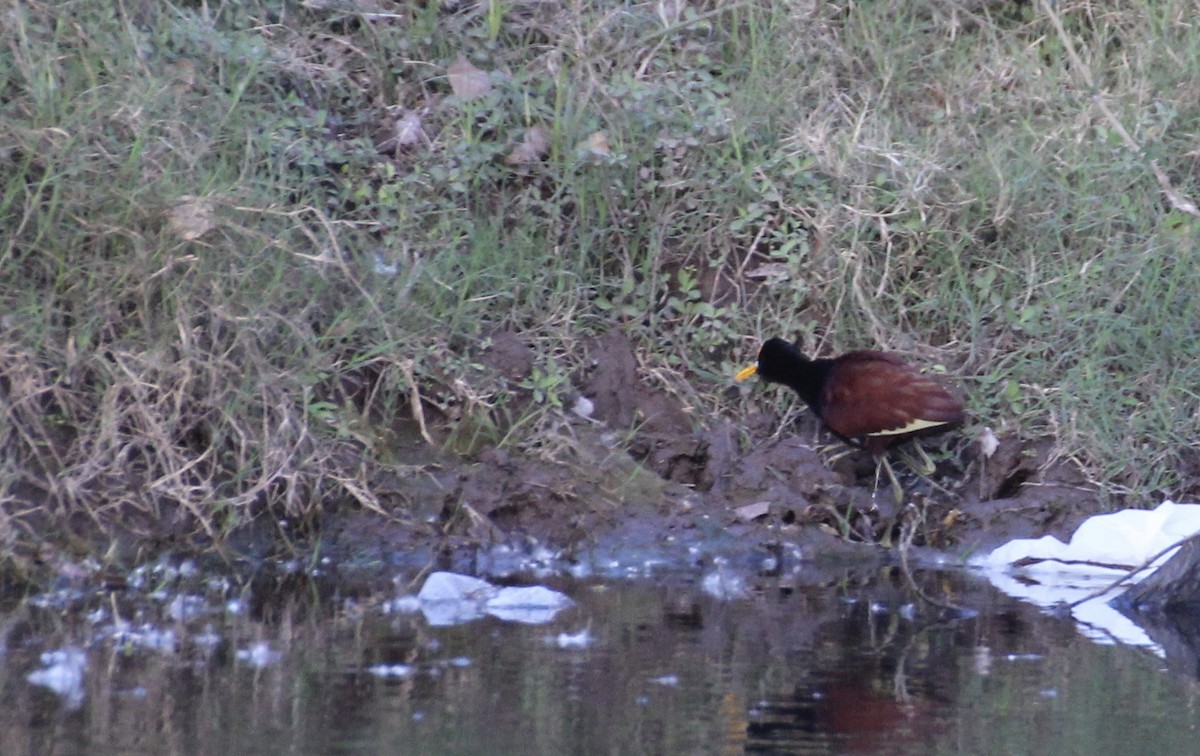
871	400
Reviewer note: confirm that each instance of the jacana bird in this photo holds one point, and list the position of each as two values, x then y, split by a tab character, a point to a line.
870	400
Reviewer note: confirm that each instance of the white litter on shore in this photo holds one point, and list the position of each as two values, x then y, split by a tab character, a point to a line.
1047	572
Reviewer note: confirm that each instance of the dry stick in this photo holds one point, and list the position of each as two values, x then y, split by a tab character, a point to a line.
1128	575
1177	200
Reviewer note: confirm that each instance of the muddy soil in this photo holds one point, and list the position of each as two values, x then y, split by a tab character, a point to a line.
644	474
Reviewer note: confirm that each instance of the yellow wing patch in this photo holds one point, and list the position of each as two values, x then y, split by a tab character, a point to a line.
913	427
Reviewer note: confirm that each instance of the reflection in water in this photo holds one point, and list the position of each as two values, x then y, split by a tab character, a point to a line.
865	706
833	663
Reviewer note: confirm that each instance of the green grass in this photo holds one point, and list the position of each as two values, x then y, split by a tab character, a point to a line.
210	270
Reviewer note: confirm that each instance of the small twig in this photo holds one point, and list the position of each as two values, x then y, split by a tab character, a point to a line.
1128	575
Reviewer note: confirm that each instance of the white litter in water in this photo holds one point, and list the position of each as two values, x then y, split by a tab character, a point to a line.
63	674
669	681
581	639
1103	547
258	655
532	605
503	560
402	605
450	586
392	670
724	584
579	570
448	598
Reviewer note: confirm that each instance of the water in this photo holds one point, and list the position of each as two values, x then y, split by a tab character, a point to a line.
847	661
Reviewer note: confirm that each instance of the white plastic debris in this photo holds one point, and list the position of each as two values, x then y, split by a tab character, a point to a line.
988	443
448	598
531	605
724	584
402	605
583	407
392	670
450	586
1104	544
1047	572
259	655
581	639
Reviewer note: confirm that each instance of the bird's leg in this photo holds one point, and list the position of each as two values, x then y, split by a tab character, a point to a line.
925	467
834	457
881	461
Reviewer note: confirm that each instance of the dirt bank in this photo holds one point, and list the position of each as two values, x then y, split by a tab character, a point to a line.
643	471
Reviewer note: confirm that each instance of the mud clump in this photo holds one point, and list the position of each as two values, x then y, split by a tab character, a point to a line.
663	435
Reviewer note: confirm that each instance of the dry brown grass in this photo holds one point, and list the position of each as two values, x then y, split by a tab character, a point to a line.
241	241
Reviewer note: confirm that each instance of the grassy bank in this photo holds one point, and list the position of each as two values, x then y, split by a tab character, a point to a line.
237	240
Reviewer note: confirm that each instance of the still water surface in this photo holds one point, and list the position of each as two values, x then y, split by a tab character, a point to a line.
844	662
